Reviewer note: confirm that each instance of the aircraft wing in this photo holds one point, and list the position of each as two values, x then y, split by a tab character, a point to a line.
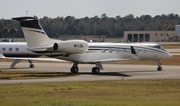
111	60
43	59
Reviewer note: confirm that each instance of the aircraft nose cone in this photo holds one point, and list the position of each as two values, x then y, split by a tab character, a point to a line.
170	55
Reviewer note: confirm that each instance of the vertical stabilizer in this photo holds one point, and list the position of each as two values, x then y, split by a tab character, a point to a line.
33	32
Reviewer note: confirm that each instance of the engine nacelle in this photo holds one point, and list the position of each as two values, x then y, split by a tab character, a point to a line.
71	46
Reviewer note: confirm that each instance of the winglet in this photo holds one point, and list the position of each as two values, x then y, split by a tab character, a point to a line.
1	55
134	54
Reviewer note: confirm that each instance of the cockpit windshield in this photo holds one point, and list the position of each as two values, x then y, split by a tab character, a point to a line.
159	47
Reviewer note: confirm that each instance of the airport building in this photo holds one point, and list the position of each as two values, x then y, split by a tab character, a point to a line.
153	36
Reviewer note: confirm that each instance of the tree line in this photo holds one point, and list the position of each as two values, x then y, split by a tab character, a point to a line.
6	32
104	25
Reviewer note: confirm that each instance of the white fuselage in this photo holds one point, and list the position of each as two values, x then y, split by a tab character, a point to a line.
96	52
114	52
16	49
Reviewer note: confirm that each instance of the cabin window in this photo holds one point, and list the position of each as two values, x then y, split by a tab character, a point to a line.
10	49
3	49
110	50
144	50
117	50
124	50
137	51
103	50
17	49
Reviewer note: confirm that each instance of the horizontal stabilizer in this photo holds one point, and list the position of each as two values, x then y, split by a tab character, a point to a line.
23	18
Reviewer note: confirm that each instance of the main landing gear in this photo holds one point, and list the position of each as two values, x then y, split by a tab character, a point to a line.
16	61
159	68
74	68
95	70
31	64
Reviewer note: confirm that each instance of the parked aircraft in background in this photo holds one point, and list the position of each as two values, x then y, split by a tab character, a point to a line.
82	52
18	51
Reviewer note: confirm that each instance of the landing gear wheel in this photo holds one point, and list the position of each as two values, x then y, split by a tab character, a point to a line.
74	70
95	70
31	65
159	63
159	68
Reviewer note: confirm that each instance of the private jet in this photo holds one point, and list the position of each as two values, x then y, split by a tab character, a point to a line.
82	52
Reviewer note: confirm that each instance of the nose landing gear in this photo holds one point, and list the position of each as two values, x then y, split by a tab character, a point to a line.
159	63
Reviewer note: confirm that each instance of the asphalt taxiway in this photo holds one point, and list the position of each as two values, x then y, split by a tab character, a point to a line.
110	72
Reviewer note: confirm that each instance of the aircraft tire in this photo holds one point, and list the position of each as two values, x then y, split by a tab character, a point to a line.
74	70
31	65
159	68
95	70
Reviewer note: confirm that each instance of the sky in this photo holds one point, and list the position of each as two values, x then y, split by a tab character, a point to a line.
89	8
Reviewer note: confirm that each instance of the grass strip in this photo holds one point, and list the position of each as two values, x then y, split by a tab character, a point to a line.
94	93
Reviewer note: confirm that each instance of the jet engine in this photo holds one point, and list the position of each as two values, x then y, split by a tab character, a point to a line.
71	46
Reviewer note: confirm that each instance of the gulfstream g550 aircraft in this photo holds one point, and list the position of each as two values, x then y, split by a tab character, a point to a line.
82	52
